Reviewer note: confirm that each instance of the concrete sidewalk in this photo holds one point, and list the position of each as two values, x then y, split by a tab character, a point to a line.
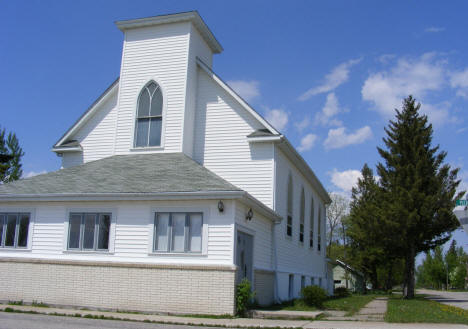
233	323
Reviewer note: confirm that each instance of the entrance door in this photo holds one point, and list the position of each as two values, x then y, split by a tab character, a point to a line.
244	256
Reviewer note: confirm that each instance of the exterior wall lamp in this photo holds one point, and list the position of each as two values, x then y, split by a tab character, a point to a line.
220	206
249	214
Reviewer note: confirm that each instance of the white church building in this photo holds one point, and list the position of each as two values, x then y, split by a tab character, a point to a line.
172	189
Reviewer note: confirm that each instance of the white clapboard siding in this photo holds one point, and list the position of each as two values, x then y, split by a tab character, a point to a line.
293	256
261	228
220	144
158	53
72	159
132	240
96	136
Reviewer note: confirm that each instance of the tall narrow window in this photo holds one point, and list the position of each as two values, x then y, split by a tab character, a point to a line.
319	229
149	116
311	228
289	207
301	218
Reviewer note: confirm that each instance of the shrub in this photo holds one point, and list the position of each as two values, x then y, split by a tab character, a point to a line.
342	292
314	296
244	297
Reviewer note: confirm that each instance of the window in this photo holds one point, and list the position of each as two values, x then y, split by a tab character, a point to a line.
311	229
289	207
89	231
301	218
302	282
149	116
178	232
319	233
14	229
291	286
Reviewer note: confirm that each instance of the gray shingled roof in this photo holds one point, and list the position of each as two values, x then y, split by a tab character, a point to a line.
148	173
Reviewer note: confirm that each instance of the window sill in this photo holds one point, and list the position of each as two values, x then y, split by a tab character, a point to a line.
87	252
7	249
177	254
147	149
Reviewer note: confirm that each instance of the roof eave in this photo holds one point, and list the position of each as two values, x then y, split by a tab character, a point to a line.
299	161
191	16
264	139
88	113
238	98
199	195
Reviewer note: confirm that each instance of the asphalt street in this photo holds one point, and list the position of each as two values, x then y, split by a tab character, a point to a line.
458	299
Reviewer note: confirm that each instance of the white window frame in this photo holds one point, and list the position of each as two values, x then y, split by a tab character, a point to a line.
32	215
188	209
90	210
144	83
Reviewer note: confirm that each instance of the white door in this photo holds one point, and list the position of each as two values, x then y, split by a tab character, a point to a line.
244	256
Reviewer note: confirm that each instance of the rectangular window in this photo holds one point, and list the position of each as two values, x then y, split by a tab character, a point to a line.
14	230
178	232
302	282
89	231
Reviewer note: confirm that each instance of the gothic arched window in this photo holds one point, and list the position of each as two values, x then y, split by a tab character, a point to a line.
148	124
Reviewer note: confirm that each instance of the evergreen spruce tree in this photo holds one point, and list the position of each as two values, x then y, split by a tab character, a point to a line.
10	157
420	189
363	230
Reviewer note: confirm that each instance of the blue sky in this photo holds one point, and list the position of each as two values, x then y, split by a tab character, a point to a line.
328	74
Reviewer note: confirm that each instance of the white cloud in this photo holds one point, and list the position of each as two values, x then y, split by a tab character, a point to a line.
338	76
345	180
386	58
248	90
301	125
277	117
307	142
459	81
338	138
331	108
417	77
33	173
434	29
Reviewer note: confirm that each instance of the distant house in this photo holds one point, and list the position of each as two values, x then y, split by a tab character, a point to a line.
348	277
172	190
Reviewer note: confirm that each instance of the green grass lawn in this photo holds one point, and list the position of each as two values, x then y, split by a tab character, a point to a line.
423	310
350	304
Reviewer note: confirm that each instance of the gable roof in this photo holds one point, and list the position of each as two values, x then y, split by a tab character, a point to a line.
238	98
139	173
190	16
86	115
270	134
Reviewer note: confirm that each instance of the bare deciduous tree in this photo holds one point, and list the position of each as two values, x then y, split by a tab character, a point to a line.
336	211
